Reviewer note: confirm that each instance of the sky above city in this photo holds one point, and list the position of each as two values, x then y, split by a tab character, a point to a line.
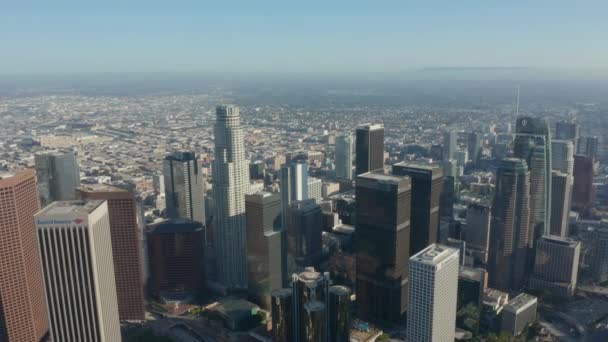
353	36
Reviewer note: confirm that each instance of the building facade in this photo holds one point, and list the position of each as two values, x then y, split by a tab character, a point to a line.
344	157
184	187
562	156
58	176
369	148
304	232
556	265
479	222
560	203
582	188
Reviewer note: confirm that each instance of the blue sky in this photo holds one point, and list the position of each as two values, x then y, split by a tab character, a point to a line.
301	36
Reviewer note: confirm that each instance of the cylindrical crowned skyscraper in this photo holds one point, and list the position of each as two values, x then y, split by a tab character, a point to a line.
230	183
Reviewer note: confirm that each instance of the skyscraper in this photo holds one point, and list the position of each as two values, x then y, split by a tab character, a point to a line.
533	144
266	268
566	130
599	261
582	189
184	187
562	156
315	189
556	265
427	184
294	186
382	236
230	183
588	146
76	249
510	225
126	249
23	314
474	146
479	220
58	176
560	203
370	148
450	144
344	157
433	294
304	232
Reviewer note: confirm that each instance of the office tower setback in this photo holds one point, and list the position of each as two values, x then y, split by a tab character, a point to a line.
266	260
433	292
588	146
582	188
479	221
304	229
344	157
510	234
58	176
23	315
369	154
230	183
315	189
556	265
599	261
533	144
450	139
126	249
560	203
427	184
562	156
176	257
294	187
76	249
474	147
382	236
184	187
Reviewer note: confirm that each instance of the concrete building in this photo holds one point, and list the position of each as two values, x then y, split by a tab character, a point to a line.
369	148
433	293
427	184
474	147
266	259
76	249
519	313
315	189
560	203
230	182
23	311
562	156
294	186
126	249
383	223
58	176
344	157
556	265
184	187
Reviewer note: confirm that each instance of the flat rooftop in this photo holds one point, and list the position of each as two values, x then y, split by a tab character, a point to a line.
562	241
370	126
522	301
70	208
419	166
173	226
383	178
100	188
434	254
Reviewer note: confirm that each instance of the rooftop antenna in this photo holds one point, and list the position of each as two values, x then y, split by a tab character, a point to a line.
517	107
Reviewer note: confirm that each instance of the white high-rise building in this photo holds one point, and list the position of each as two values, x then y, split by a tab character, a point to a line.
433	292
315	189
76	253
562	156
230	184
344	157
450	143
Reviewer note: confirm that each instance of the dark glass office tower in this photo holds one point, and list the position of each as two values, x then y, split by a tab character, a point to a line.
304	232
339	313
510	226
474	146
382	237
566	130
282	315
369	148
582	190
427	184
533	145
184	187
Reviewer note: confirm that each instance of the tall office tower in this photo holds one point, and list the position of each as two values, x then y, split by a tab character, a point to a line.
294	187
582	188
433	294
339	313
265	253
566	130
369	154
474	146
176	256
436	152
560	203
257	170
510	225
344	157
282	302
76	249
184	187
447	197
427	183
556	265
599	261
23	315
450	143
230	183
58	175
315	189
304	232
533	144
383	245
126	249
479	220
562	156
588	146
